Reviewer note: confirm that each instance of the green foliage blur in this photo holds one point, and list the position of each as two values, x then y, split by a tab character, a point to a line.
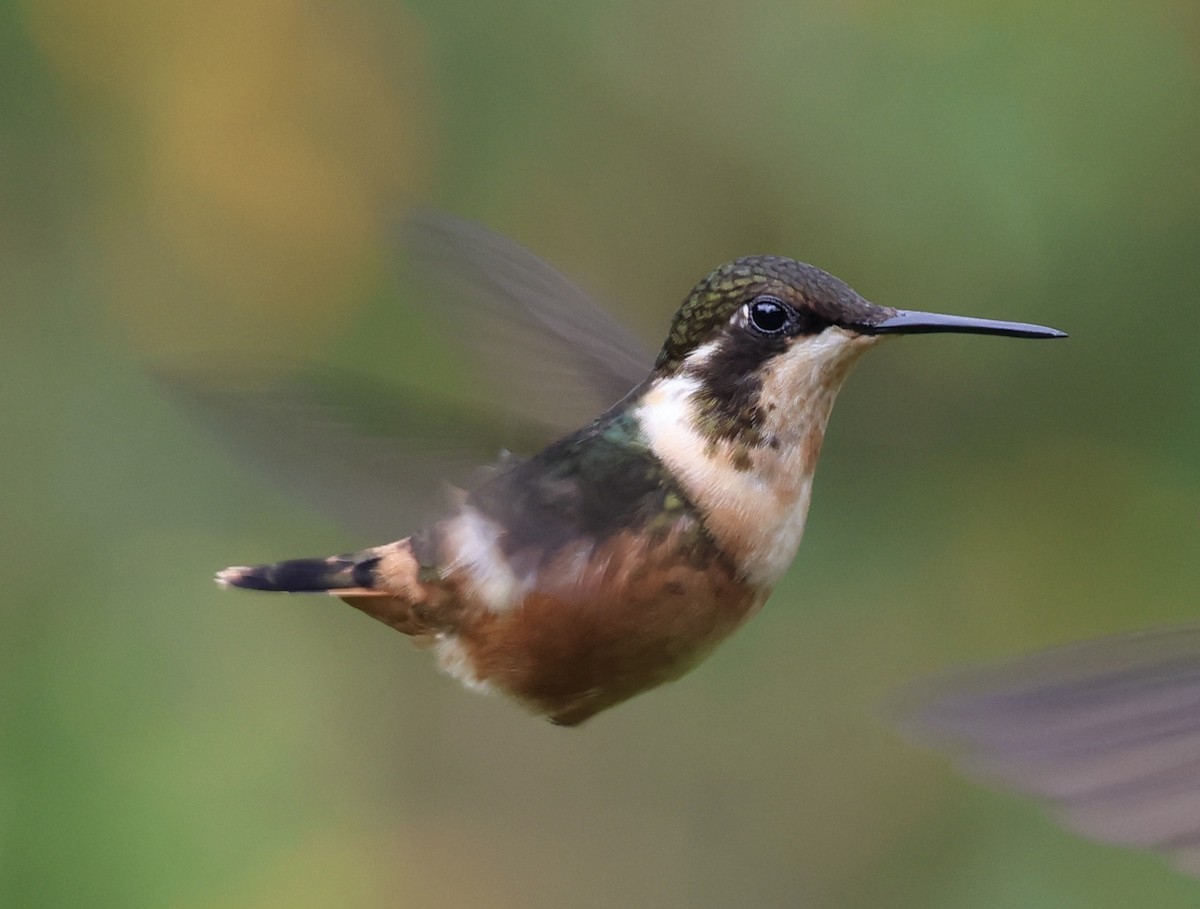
186	181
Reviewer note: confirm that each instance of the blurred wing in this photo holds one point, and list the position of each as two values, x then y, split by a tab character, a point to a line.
547	349
377	459
1106	733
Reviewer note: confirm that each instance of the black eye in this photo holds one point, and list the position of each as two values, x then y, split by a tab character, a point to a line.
768	315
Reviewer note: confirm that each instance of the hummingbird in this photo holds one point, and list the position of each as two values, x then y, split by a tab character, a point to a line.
619	556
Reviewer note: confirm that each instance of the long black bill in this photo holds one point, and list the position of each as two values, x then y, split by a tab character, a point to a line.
908	322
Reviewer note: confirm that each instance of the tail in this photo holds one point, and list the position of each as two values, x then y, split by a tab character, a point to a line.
383	582
342	572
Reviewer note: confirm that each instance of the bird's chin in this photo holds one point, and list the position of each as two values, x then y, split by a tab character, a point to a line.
834	351
861	342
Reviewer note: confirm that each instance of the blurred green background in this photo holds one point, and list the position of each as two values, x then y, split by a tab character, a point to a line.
180	180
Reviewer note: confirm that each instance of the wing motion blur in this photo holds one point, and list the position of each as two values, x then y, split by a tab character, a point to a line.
378	457
366	453
550	351
1106	733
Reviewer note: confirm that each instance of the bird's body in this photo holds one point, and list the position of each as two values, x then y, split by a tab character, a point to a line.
619	556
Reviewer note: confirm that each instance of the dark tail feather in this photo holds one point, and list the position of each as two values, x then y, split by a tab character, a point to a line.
306	575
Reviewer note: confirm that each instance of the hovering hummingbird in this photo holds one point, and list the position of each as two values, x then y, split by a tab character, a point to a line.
620	555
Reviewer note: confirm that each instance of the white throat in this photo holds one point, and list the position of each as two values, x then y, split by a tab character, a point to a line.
754	499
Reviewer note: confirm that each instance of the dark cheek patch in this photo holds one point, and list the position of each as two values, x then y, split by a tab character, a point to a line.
731	386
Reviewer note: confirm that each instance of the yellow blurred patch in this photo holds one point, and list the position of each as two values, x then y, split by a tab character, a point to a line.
255	146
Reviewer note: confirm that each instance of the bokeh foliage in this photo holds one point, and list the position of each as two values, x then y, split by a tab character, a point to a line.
184	181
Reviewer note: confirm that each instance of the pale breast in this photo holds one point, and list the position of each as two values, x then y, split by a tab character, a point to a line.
754	497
